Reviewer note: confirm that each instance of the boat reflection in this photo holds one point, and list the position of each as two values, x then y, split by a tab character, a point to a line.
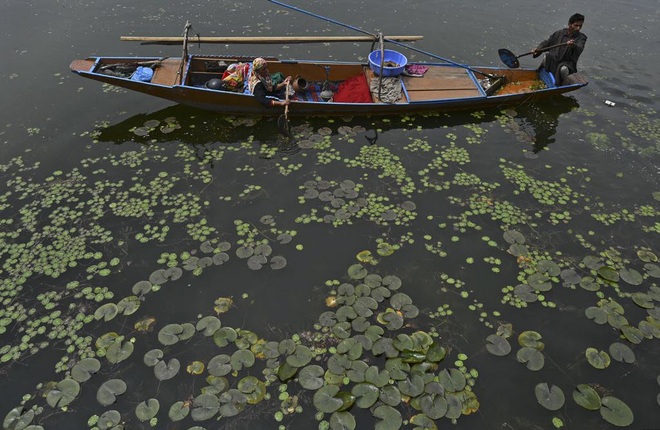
534	125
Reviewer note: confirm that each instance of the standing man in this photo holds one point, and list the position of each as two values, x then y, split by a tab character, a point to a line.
562	60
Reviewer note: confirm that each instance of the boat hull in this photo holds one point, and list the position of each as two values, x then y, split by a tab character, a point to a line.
441	88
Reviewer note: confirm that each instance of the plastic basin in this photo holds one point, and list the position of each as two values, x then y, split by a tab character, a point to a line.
390	56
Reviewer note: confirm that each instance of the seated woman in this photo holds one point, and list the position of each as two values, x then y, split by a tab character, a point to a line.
261	84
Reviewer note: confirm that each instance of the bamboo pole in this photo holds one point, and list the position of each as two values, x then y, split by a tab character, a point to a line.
261	40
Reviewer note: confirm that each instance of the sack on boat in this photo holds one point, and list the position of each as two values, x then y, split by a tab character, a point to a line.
143	74
235	75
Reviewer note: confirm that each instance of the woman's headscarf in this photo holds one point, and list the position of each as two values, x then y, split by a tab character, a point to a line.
257	75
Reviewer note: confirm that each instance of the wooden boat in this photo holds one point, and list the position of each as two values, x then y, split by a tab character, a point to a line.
444	86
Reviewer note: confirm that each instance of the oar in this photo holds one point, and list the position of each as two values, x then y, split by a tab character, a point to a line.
283	120
511	59
412	48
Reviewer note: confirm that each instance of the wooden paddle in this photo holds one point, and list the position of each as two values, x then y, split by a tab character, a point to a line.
511	60
283	120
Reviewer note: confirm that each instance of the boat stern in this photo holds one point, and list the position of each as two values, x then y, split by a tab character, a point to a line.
85	65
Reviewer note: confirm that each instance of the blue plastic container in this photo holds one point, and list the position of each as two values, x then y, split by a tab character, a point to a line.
393	56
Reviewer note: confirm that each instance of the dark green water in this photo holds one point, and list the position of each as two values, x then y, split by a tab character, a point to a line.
90	211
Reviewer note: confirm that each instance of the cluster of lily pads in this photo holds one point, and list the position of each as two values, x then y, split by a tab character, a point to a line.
374	356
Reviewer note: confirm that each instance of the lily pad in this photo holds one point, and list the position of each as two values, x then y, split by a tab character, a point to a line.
311	377
532	356
108	392
608	273
365	394
622	353
178	411
598	359
342	421
631	276
119	351
390	395
147	410
169	335
85	368
219	365
531	339
204	407
585	396
513	236
167	370
129	305
16	419
106	312
151	358
389	418
412	386
434	406
539	282
357	271
616	412
109	419
378	377
497	345
224	336
253	388
525	293
325	400
550	397
64	393
208	325
452	380
243	358
633	334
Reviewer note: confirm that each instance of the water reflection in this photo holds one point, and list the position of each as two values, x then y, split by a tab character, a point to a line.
533	124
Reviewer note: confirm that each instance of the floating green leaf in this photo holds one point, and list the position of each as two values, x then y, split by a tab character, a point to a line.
598	359
169	335
119	351
365	395
151	358
109	419
616	412
342	421
531	339
204	407
106	312
551	398
311	377
16	419
585	396
532	356
208	325
497	345
389	418
325	400
608	273
85	368
108	392
167	370
147	410
178	411
621	352
434	406
64	393
631	276
357	271
243	358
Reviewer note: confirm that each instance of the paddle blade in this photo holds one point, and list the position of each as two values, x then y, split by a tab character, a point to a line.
508	58
283	125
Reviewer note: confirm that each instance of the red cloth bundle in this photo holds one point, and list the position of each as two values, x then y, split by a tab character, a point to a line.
353	90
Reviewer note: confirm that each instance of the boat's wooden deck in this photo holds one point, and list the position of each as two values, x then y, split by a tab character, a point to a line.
441	83
167	73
